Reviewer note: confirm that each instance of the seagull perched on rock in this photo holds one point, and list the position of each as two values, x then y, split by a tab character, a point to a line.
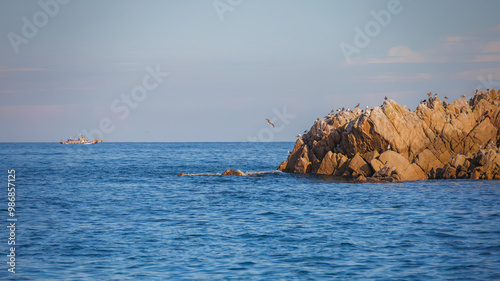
385	98
299	135
357	105
475	92
429	94
269	122
436	94
424	100
445	97
389	146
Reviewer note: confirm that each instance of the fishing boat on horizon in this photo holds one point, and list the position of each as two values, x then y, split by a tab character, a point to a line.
81	140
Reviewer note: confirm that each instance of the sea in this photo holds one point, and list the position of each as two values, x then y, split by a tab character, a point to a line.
118	211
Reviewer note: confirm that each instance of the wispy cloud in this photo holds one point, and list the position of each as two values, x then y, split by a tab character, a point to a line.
486	58
7	69
8	91
396	77
474	74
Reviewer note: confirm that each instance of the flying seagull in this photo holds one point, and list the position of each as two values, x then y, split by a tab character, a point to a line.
445	97
463	96
270	123
357	105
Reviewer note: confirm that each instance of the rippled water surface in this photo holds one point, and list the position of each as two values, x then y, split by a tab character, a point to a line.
118	211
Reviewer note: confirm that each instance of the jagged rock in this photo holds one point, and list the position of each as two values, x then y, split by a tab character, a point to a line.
342	162
370	155
328	164
232	173
357	166
376	165
302	165
283	165
437	140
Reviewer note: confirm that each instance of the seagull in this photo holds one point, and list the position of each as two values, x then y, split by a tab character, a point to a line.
389	146
367	107
299	135
463	96
436	94
385	98
445	97
348	109
429	94
357	105
343	108
288	151
475	92
305	131
270	123
425	100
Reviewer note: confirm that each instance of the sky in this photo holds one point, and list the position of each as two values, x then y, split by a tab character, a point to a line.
214	70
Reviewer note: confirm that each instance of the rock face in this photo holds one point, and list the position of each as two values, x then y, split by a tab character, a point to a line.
391	143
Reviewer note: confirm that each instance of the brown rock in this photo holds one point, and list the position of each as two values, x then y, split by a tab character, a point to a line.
283	165
370	155
303	165
328	164
405	170
458	161
358	166
412	145
449	172
427	161
342	162
232	173
182	174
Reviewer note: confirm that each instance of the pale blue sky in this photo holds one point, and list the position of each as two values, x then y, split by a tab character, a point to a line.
229	69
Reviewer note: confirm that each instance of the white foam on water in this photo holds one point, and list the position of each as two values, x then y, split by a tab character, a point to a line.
245	174
204	174
250	174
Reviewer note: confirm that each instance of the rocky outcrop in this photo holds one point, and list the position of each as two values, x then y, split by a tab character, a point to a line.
391	143
232	173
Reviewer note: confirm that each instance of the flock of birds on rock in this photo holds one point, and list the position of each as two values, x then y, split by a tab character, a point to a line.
429	95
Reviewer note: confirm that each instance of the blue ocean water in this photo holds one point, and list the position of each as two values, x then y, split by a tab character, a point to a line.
118	211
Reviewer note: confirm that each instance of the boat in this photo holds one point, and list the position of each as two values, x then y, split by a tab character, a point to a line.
81	140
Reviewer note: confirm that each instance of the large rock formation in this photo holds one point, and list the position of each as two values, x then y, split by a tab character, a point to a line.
437	140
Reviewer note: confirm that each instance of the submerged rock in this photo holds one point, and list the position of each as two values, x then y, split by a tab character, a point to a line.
232	173
391	143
